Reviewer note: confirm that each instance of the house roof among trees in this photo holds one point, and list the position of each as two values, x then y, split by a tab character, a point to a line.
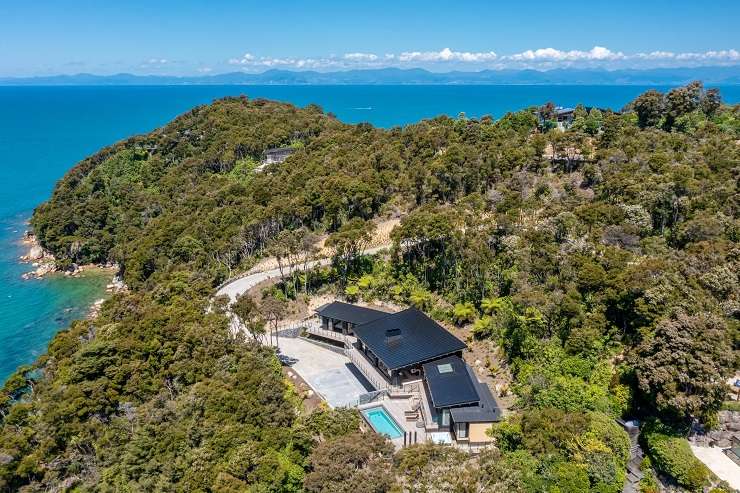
349	313
407	338
449	382
486	411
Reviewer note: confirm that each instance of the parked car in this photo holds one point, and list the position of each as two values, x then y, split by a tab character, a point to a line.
286	360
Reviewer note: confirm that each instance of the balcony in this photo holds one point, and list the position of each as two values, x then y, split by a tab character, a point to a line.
368	370
315	329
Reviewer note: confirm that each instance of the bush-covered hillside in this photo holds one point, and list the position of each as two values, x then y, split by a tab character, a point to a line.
603	260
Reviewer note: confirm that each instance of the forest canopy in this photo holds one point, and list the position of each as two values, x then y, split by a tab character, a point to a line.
602	259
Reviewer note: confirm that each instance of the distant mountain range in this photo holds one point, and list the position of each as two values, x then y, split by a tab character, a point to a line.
662	76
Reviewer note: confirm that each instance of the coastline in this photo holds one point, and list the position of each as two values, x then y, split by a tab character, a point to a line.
37	300
44	264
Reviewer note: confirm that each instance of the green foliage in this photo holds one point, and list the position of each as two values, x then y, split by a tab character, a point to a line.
352	292
671	454
355	463
682	366
463	313
573	451
601	258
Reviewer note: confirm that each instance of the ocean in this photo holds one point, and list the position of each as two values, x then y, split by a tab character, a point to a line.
44	131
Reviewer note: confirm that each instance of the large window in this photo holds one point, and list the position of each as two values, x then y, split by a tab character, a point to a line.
461	430
445	417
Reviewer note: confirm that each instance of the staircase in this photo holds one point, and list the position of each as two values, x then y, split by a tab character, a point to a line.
634	473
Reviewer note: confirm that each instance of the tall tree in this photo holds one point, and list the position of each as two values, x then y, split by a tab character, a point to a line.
649	108
249	316
349	243
681	369
274	310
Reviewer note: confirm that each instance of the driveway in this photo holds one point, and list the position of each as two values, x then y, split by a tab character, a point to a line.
242	284
329	374
721	465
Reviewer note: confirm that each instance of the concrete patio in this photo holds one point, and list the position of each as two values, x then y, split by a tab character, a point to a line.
330	374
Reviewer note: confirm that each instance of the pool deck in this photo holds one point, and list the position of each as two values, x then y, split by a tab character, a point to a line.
396	407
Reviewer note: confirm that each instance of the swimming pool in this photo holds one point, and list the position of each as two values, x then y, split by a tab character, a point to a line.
382	422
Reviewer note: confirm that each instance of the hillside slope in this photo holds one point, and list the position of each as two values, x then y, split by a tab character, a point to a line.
602	261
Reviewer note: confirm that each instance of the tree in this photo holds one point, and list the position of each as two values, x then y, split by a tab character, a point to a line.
309	250
349	243
681	101
649	108
681	369
249	316
285	247
274	310
711	102
434	468
355	463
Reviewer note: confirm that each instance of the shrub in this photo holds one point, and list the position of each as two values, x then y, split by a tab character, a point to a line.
672	455
464	313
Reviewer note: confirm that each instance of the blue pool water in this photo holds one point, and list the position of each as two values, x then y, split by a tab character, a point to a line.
382	423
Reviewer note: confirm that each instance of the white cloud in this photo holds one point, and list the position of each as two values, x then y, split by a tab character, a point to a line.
722	55
360	57
551	54
446	55
155	63
656	55
447	58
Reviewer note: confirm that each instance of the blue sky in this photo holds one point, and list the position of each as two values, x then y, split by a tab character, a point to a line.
190	37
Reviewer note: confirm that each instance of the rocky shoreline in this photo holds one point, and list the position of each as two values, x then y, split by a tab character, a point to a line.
44	263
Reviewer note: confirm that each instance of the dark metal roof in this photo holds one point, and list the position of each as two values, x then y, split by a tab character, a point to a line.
487	409
280	150
350	313
421	339
449	382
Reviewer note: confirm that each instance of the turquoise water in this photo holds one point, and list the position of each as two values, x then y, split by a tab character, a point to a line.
45	130
382	423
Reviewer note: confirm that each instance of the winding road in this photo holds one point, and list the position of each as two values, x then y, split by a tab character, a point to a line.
242	284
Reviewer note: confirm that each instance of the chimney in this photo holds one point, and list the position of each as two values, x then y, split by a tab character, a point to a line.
392	335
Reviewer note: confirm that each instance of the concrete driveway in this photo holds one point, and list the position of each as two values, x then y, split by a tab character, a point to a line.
329	374
721	465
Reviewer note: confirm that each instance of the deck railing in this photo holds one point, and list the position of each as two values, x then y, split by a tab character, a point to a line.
319	331
370	372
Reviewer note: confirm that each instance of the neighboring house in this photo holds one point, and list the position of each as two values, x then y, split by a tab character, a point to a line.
277	155
407	350
563	117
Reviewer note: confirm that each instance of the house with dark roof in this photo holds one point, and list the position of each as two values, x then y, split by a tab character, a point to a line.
344	317
398	344
277	155
408	346
462	404
407	353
